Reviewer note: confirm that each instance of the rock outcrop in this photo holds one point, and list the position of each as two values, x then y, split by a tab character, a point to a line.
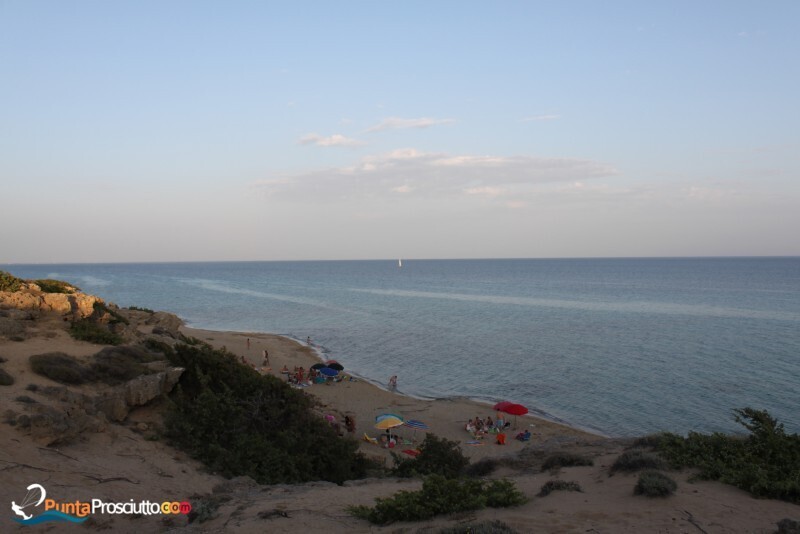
74	305
74	412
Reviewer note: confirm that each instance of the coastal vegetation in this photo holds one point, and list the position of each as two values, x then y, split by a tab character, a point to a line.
111	365
637	460
441	495
655	484
239	422
565	459
9	282
55	286
558	485
94	332
437	456
765	463
5	378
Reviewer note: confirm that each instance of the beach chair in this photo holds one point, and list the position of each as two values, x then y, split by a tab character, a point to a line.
369	439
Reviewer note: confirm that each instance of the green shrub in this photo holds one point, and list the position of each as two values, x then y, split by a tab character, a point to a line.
484	527
558	485
153	345
55	286
482	467
788	526
61	368
88	330
655	484
766	463
437	456
115	365
503	494
440	495
636	460
239	422
5	378
9	282
100	308
565	459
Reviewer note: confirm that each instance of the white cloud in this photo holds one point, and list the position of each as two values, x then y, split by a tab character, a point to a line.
331	140
397	123
537	118
436	175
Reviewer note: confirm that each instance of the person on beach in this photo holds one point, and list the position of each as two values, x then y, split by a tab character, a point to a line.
248	343
266	359
350	424
308	341
393	383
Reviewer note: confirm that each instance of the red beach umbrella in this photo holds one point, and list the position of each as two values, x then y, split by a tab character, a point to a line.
515	409
501	406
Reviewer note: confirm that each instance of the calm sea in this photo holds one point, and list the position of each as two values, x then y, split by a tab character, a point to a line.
621	346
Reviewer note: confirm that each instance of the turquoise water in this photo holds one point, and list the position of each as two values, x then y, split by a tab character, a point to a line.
621	346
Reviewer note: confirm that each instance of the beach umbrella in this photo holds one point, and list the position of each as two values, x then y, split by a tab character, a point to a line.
416	425
327	371
336	365
501	405
515	410
318	366
388	422
383	416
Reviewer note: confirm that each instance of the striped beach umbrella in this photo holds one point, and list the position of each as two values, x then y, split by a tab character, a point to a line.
416	425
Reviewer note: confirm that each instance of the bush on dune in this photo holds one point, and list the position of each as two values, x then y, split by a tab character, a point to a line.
440	495
766	463
88	330
61	367
437	456
238	422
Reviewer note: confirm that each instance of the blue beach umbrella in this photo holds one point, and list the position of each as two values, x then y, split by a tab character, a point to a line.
416	425
327	371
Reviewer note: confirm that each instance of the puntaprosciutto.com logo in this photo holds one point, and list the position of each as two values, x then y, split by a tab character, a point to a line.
36	508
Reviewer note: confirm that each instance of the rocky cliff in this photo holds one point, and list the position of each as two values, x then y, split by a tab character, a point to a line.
74	305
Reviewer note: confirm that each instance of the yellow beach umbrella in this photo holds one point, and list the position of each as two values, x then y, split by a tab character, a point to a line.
388	422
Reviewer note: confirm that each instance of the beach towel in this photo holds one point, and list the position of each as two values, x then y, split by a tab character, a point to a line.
412	452
474	443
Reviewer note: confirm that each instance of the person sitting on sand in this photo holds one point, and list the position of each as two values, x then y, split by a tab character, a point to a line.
285	370
501	438
524	436
470	427
350	423
489	424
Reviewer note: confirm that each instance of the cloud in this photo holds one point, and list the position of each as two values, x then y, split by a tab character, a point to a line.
537	118
397	123
332	140
416	174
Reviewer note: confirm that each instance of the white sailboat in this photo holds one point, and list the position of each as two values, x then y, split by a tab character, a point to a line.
399	263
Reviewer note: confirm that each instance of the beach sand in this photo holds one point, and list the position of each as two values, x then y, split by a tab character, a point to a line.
126	461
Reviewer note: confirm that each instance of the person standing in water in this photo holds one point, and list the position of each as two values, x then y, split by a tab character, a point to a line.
393	383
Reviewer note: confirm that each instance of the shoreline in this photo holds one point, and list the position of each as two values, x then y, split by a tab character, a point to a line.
534	412
364	400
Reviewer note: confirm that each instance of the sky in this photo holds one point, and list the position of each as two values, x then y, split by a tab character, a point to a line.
135	131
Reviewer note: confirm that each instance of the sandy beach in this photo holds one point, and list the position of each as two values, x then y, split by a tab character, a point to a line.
124	461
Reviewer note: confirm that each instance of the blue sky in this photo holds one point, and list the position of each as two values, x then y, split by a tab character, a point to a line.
183	131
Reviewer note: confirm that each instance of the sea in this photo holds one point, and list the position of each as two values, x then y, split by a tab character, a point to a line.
621	347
